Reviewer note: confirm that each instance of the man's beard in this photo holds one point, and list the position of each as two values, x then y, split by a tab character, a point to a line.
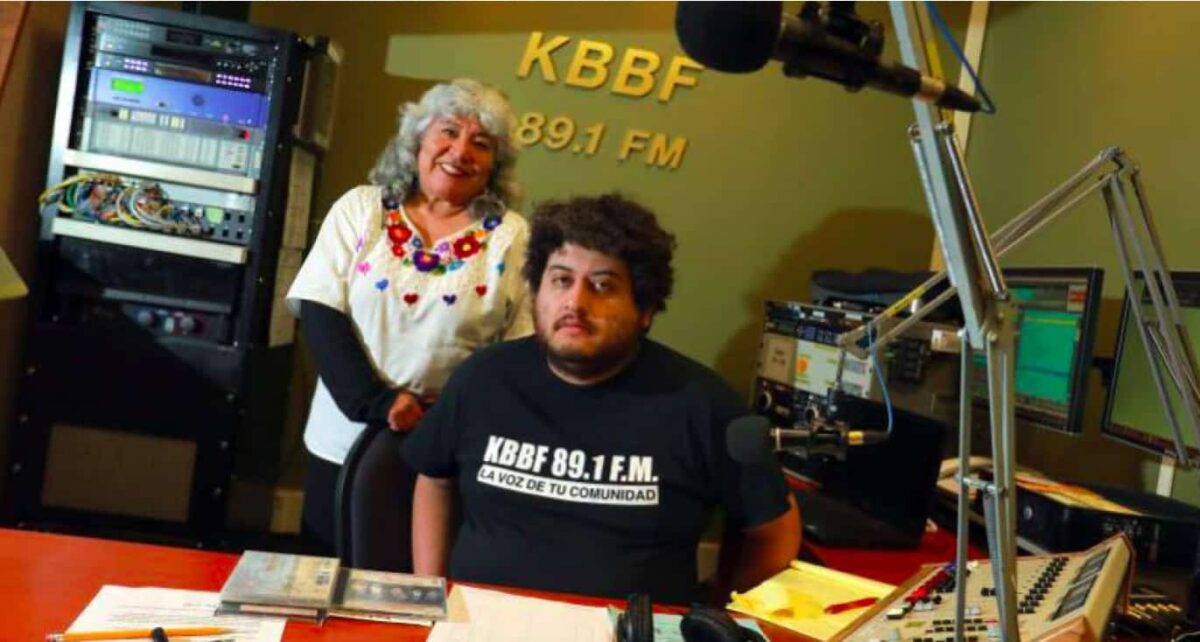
585	367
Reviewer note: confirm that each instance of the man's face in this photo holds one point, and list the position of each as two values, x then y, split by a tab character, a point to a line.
585	314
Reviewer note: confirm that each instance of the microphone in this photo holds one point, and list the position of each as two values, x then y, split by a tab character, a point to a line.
752	439
823	41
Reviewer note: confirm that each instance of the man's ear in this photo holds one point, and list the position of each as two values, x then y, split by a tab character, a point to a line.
645	319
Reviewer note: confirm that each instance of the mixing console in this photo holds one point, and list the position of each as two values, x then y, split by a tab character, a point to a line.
1071	593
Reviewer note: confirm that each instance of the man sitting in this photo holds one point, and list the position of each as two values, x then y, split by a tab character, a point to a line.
589	457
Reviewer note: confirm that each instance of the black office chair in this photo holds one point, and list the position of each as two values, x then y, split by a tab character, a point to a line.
373	510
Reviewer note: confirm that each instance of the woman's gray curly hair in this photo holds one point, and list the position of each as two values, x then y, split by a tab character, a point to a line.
396	169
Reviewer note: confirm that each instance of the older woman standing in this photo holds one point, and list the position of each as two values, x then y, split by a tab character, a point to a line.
408	276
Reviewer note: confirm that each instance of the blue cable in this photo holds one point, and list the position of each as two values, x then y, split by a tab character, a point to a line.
887	398
988	107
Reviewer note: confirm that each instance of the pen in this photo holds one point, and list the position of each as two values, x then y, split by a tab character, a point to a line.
833	609
82	636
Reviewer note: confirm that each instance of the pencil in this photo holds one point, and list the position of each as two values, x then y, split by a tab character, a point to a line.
84	636
834	609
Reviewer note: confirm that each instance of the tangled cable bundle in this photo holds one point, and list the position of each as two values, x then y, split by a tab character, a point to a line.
105	198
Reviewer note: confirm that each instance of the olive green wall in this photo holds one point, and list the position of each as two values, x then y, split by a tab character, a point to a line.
779	176
783	176
1070	79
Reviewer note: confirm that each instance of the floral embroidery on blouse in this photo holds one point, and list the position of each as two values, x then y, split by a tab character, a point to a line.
444	257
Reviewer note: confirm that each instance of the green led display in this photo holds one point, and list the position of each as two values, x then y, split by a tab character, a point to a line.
128	86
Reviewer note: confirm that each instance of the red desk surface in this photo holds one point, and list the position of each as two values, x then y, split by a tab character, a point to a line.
47	580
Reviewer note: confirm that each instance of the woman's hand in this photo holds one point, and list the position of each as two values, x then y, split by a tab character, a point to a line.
405	412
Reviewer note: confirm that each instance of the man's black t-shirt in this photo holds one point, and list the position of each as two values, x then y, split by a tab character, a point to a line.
599	490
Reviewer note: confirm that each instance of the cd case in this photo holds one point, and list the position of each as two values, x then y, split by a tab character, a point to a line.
389	597
267	583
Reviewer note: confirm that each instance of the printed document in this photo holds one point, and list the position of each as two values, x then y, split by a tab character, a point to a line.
123	607
493	616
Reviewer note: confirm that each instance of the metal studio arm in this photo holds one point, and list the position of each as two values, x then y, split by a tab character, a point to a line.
989	316
1008	236
988	319
1173	364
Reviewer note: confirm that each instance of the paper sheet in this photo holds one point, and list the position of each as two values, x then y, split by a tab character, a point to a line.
123	607
493	616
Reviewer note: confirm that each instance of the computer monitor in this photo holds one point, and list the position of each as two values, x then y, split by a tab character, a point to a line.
1133	413
1055	333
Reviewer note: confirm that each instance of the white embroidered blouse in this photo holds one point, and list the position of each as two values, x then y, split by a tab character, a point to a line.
419	311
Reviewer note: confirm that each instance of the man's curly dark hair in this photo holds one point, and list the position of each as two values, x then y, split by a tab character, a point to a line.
613	225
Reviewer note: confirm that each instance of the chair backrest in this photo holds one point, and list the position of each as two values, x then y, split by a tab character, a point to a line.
373	504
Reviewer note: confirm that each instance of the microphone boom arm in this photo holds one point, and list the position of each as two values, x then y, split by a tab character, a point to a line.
990	316
1165	337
